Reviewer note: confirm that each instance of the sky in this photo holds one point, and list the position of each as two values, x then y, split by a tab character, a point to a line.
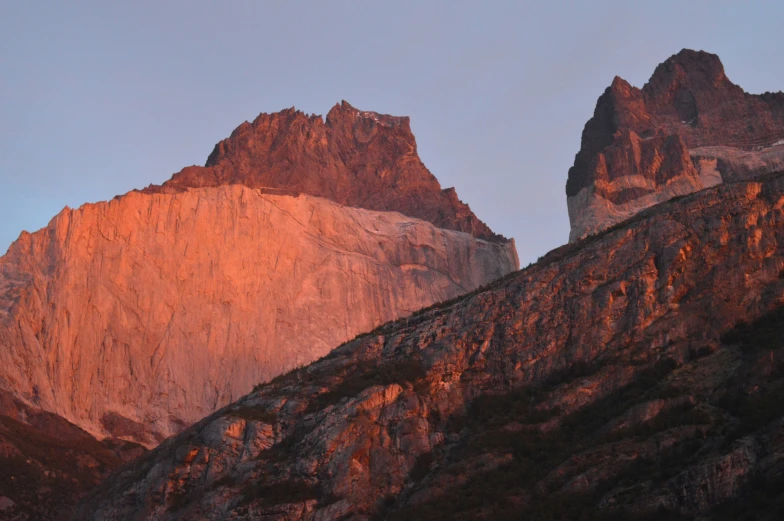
99	98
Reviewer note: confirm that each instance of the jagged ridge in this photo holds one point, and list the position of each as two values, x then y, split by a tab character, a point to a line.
548	388
688	128
135	317
355	158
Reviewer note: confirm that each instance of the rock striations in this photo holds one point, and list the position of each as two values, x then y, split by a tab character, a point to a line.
135	317
687	129
635	374
607	376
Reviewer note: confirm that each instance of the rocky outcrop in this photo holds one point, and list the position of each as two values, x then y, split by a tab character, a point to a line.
135	317
687	129
606	376
353	157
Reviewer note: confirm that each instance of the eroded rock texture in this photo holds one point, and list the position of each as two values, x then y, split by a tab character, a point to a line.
353	157
136	317
601	377
687	129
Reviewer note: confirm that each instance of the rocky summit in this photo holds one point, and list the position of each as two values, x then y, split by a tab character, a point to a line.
636	374
130	319
353	157
687	129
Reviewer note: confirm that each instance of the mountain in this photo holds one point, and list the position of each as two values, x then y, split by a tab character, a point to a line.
636	374
128	320
687	129
353	157
47	463
137	317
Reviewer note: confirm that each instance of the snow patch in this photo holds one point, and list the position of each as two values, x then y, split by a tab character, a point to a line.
371	115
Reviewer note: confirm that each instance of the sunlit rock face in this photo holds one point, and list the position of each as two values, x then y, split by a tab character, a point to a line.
606	381
687	129
148	312
135	317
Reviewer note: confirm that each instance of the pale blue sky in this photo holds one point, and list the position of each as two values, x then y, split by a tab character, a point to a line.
97	98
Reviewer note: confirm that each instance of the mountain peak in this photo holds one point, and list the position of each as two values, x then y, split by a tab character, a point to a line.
693	63
699	72
522	395
343	106
353	157
344	114
686	112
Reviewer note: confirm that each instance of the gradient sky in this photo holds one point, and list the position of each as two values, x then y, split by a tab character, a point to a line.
98	98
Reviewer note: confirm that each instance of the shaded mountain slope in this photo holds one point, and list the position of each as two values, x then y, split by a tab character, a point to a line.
47	463
605	381
127	320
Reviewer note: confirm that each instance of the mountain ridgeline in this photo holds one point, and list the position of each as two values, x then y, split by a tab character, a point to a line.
687	129
133	318
635	373
606	380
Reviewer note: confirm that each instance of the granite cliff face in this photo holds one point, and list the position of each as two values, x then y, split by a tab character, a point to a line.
133	318
353	157
136	317
687	129
607	381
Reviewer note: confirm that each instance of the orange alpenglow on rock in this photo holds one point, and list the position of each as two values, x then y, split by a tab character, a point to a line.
355	158
599	382
687	129
135	317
